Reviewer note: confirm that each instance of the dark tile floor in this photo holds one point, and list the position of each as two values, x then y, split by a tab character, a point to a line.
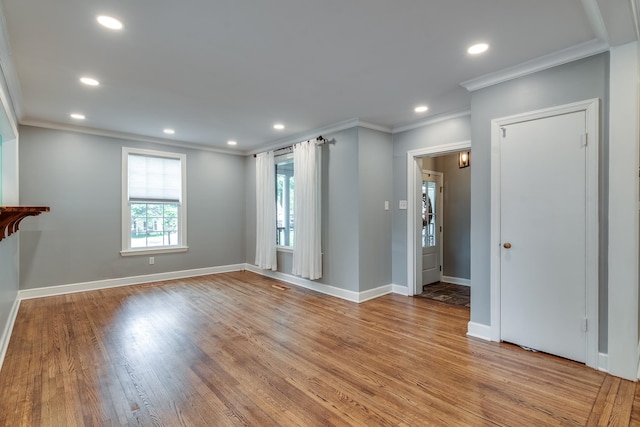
448	293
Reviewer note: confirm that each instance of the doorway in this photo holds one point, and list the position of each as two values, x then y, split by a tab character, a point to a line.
414	208
544	264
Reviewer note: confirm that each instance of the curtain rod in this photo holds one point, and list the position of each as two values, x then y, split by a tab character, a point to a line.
319	141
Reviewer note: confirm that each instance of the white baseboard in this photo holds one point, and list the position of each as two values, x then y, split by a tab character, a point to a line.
399	289
603	362
156	277
456	280
638	354
8	328
323	288
375	293
123	281
478	330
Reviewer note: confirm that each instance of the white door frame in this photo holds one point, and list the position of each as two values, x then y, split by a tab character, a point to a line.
414	280
592	109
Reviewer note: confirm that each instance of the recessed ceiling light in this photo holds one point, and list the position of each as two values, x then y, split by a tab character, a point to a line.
169	131
232	142
77	116
109	22
478	48
89	81
278	126
421	109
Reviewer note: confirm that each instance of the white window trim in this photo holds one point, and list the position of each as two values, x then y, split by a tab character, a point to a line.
126	212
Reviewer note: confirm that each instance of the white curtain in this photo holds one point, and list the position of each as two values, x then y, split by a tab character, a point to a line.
307	252
266	211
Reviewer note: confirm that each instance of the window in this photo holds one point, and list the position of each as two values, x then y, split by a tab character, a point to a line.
285	201
153	202
429	223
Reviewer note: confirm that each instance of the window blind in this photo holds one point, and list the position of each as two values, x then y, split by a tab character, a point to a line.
154	179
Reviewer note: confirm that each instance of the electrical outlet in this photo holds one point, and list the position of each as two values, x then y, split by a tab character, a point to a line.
152	260
402	204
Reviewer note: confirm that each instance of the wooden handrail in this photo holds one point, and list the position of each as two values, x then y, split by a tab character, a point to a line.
10	217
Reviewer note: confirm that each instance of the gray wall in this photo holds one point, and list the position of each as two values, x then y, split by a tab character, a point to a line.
446	132
339	212
576	81
356	230
79	177
456	221
340	215
375	223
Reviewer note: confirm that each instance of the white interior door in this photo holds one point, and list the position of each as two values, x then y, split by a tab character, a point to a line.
543	226
431	215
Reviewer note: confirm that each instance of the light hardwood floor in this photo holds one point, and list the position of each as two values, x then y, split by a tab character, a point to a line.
231	349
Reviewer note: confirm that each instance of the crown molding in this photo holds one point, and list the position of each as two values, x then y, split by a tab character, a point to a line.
635	8
126	136
12	99
304	136
374	126
432	120
335	127
594	16
573	53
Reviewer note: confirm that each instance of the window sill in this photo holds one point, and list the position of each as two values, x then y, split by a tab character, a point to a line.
147	251
286	249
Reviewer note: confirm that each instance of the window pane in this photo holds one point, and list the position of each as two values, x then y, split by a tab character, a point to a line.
170	230
429	234
285	206
138	225
154	225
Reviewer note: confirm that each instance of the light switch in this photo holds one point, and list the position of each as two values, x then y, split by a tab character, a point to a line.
403	204
386	205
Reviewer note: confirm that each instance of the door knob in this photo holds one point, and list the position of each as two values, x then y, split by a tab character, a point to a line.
507	245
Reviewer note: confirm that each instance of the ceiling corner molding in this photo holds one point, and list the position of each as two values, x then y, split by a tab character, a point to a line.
14	95
125	136
374	126
635	8
432	121
304	136
573	53
594	15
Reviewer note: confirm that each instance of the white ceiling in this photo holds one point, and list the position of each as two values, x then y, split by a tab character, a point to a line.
229	69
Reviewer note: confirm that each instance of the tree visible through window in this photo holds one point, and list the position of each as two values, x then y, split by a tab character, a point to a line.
154	224
285	202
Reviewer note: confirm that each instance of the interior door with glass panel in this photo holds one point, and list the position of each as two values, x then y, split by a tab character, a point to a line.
431	226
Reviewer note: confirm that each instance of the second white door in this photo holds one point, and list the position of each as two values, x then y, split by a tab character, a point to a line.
543	232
